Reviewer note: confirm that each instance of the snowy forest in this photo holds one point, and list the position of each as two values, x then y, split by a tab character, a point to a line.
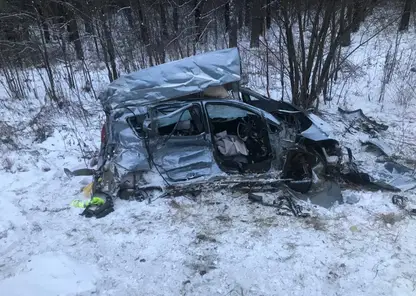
298	44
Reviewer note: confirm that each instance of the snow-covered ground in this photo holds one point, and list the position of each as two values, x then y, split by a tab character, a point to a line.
220	243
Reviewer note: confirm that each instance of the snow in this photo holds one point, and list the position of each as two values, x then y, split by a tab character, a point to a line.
219	243
58	271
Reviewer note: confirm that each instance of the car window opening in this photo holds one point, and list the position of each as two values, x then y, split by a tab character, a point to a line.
240	139
188	122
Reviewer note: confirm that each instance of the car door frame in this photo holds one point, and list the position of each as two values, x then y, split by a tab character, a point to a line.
247	107
164	157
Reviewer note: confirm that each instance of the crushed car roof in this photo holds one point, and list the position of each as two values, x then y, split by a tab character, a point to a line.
173	79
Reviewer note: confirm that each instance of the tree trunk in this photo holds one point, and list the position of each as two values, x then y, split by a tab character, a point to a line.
197	17
129	16
73	33
256	24
175	19
247	12
357	17
109	47
44	52
89	28
144	32
86	12
227	15
232	35
345	17
46	31
404	21
240	9
268	14
77	42
165	34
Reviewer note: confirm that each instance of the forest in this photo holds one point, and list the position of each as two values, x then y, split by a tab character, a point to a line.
295	44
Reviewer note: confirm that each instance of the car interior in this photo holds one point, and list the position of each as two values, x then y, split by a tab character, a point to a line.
240	138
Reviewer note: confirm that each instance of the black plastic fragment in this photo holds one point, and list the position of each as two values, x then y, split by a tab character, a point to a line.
99	211
255	198
79	172
399	201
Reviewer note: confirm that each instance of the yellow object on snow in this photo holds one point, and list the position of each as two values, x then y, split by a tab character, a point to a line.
88	190
95	201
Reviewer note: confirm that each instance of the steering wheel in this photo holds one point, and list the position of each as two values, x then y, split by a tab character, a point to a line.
245	128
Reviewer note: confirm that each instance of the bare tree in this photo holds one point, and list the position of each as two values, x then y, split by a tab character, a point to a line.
256	23
233	32
404	21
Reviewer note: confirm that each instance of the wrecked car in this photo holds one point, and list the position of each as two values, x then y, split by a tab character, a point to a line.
176	126
187	126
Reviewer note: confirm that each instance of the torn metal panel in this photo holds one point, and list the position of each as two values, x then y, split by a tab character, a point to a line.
399	176
379	145
392	177
358	120
394	167
328	195
321	124
315	134
174	79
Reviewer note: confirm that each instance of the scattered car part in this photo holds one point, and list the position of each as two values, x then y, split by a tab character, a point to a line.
79	172
327	197
285	204
352	199
359	121
400	201
399	176
379	145
94	201
353	175
99	210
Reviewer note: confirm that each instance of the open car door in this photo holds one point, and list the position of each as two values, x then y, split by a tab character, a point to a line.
180	146
240	137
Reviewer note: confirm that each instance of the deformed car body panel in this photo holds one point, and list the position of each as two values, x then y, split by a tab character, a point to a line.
359	121
173	79
183	159
311	126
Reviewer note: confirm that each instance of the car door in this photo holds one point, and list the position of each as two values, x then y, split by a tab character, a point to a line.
224	116
180	146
